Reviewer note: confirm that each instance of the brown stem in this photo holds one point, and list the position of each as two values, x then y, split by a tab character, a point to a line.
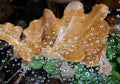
17	81
13	76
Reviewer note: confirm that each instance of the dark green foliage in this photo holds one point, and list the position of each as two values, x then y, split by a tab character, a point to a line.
37	62
112	46
118	60
113	54
49	65
84	75
113	78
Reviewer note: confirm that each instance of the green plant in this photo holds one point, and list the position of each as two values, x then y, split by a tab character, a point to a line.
112	46
37	62
49	65
84	74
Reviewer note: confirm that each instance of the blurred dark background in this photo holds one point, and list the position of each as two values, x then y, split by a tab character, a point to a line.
21	12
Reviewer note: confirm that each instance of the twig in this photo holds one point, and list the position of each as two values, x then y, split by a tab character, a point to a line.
13	76
20	77
1	67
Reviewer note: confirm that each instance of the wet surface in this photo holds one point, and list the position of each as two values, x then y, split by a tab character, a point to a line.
21	12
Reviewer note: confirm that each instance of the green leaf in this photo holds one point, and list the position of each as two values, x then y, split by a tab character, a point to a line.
113	78
112	46
87	75
116	75
82	73
51	67
118	60
113	65
111	53
78	69
37	62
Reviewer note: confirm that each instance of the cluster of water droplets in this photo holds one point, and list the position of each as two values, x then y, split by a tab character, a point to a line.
12	66
8	63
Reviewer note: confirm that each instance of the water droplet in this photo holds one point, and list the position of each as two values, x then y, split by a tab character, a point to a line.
5	66
97	41
42	81
91	70
64	44
101	26
15	60
92	28
89	39
48	37
18	64
44	42
37	82
66	53
109	12
112	40
83	17
13	65
75	38
0	41
118	10
87	74
101	19
37	57
91	62
3	61
6	44
51	42
117	27
33	72
32	79
1	48
53	32
118	16
69	41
